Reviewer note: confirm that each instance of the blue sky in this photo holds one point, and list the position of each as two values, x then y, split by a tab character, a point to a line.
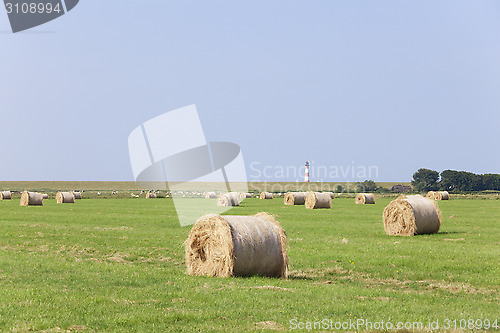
398	85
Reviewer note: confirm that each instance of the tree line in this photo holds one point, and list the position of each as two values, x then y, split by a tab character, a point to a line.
454	181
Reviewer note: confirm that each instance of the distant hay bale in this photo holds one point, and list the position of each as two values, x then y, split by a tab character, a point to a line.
295	198
228	199
316	200
5	195
245	195
431	195
210	195
65	197
365	199
237	246
45	196
266	195
150	195
441	195
411	215
78	195
331	194
31	199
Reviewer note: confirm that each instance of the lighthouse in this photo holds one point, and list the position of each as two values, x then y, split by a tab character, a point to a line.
306	177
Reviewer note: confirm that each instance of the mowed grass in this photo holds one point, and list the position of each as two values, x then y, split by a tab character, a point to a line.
118	266
54	186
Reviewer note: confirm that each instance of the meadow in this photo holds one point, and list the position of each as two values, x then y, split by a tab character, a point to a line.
51	186
118	266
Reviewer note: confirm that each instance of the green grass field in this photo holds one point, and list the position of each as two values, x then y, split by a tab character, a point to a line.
117	266
54	186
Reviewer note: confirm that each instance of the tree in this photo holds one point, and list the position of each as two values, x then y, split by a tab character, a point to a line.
461	181
491	182
383	190
477	182
468	181
425	180
366	186
449	180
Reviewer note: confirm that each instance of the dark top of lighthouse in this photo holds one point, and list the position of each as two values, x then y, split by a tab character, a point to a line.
307	163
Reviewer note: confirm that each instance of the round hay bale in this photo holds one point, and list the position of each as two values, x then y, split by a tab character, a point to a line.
150	195
31	199
316	200
45	196
237	246
266	195
78	195
365	199
411	215
441	195
5	195
65	197
295	198
331	194
210	195
244	195
431	195
228	199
